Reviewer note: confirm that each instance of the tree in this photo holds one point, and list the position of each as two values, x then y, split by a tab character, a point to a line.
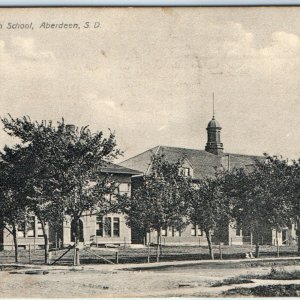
261	196
13	202
294	196
209	208
68	165
159	201
137	209
280	210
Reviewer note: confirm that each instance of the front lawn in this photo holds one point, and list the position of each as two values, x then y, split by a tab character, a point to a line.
139	255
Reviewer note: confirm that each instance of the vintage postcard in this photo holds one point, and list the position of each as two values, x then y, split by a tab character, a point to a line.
149	152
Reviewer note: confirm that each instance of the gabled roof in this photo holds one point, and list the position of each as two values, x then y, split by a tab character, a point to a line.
203	162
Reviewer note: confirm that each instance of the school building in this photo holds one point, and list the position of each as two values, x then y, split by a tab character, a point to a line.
198	164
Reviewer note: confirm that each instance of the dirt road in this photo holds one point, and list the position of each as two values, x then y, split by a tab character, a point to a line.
170	279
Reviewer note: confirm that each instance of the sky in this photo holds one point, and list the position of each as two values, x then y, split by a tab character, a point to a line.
149	73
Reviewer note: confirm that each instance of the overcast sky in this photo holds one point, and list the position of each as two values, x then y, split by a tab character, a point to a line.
149	74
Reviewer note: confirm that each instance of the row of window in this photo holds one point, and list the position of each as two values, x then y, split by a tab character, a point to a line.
107	227
172	231
31	228
195	231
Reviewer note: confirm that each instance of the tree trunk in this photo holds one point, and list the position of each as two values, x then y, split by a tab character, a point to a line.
277	243
257	245
76	259
145	237
257	250
298	243
14	233
211	251
298	236
76	239
149	249
46	242
158	245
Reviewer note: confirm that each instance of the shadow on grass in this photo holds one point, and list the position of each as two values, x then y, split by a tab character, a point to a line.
231	281
290	290
279	273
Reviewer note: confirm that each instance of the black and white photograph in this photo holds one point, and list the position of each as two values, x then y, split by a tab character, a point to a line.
149	152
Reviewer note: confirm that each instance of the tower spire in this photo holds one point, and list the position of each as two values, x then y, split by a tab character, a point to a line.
214	144
213	94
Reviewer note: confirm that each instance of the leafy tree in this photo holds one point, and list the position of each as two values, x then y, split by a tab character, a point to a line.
278	173
137	210
261	196
68	167
209	208
13	202
294	196
159	201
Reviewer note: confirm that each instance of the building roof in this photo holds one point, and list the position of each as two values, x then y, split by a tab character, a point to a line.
202	162
117	169
213	123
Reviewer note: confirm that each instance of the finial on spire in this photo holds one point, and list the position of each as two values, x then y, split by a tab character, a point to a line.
213	105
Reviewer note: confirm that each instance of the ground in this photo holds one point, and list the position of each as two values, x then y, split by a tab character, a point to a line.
169	279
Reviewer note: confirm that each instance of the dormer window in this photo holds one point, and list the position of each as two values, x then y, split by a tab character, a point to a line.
185	171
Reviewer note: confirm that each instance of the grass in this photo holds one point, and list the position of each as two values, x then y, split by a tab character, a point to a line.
290	290
279	273
169	253
231	281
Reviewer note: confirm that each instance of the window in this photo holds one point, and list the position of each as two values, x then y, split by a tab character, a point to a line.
30	226
185	171
199	231
107	226
21	230
40	229
124	188
164	231
116	228
99	226
193	230
238	230
175	232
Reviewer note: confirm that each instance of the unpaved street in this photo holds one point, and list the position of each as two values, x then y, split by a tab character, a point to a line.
171	279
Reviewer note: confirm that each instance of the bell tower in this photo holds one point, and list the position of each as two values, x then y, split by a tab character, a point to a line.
214	144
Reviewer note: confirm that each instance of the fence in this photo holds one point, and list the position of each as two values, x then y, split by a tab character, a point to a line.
30	254
93	255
